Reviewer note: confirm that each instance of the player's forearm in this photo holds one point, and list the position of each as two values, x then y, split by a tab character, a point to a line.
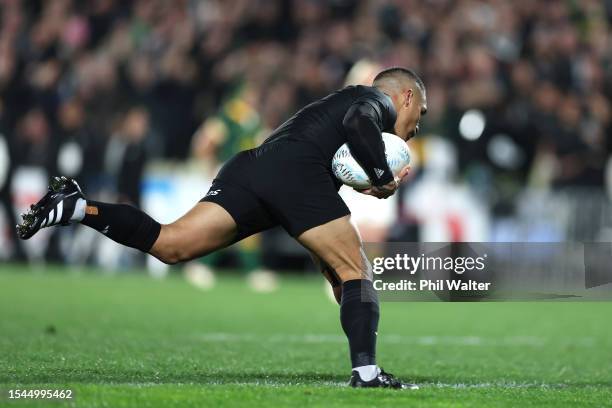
365	141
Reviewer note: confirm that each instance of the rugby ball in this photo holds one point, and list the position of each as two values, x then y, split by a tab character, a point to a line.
349	172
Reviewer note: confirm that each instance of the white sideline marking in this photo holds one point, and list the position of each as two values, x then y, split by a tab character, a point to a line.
468	341
343	384
498	384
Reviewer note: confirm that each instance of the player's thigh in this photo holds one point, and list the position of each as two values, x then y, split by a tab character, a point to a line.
204	229
338	244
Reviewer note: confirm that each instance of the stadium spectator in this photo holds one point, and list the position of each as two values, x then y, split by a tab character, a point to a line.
539	71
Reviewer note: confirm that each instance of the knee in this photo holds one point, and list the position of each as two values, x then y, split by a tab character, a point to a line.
169	259
170	248
171	255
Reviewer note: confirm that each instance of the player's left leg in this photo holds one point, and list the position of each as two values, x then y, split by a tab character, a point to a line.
204	229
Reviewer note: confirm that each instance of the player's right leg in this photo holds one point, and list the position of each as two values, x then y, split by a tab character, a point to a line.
330	275
338	245
205	228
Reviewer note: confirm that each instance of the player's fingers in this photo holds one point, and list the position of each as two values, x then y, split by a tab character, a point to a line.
374	192
404	172
383	193
367	191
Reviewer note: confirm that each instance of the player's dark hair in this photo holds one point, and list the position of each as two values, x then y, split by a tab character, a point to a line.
395	72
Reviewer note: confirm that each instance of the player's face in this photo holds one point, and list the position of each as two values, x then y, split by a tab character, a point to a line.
414	105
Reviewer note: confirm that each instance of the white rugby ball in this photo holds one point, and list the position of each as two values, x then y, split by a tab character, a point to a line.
349	172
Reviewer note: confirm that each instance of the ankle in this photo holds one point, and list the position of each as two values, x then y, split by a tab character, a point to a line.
368	372
79	210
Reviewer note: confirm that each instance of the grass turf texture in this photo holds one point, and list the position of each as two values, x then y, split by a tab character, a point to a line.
123	341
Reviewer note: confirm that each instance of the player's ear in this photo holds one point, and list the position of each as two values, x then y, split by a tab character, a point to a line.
409	97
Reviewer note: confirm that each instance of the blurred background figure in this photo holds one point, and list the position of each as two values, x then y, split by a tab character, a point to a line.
236	127
142	101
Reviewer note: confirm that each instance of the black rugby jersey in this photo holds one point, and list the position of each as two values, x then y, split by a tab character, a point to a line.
355	114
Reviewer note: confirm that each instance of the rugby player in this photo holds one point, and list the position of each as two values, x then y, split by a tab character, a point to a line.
285	181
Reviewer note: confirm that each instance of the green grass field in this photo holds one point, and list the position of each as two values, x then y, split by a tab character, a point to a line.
131	341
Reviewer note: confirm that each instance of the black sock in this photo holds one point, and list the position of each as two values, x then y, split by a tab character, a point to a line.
122	223
359	315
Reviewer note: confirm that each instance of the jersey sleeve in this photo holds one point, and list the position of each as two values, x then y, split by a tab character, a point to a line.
364	122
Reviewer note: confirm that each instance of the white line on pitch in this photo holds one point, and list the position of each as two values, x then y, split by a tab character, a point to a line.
343	384
530	341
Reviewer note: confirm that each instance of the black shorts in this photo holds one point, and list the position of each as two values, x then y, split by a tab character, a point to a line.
282	183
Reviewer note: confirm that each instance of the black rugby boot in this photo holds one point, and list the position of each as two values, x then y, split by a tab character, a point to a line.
55	208
382	380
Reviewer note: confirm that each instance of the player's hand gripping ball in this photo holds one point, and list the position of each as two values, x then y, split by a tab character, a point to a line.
349	172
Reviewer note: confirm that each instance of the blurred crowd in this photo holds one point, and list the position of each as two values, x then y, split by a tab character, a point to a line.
97	89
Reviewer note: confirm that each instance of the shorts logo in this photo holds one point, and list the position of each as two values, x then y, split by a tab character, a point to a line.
213	192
